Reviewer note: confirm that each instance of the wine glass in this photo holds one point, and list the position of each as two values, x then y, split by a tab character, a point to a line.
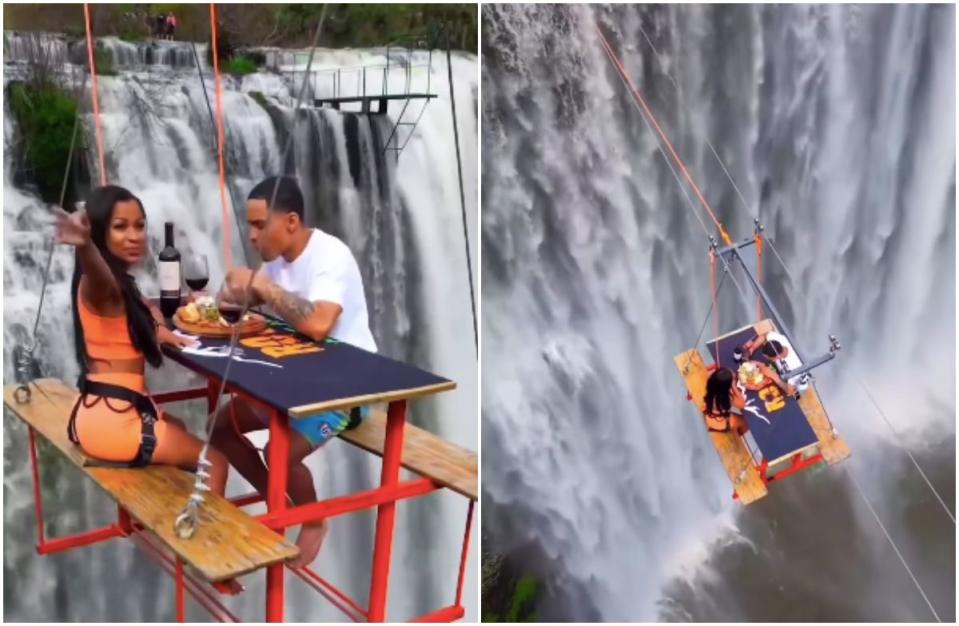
196	272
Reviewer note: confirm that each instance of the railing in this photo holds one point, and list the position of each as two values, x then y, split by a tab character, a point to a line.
394	78
376	82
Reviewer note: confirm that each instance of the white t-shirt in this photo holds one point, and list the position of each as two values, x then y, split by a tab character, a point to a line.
791	362
327	271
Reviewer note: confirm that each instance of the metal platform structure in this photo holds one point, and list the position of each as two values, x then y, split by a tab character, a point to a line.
373	87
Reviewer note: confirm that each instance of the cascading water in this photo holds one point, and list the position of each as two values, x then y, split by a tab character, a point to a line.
400	217
838	125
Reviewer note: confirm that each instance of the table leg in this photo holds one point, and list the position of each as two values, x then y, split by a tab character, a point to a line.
180	595
124	521
276	502
37	493
386	513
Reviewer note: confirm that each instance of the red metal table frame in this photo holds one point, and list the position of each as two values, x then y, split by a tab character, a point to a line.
280	516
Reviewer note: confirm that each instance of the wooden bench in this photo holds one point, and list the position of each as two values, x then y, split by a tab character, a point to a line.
423	453
227	543
731	448
833	447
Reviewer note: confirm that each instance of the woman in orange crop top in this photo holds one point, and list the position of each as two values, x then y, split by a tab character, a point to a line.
116	332
724	403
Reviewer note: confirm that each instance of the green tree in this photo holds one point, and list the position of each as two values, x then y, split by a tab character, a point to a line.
46	116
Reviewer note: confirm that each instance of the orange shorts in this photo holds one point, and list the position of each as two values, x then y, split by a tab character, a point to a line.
109	429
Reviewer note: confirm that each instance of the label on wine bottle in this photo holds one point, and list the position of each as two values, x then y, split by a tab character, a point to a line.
170	277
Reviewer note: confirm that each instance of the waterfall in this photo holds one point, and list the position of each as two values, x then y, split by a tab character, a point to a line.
837	124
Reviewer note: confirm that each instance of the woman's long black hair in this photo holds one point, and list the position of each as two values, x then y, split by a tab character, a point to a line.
140	322
718	387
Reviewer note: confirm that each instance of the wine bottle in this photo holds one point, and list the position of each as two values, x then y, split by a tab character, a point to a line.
169	275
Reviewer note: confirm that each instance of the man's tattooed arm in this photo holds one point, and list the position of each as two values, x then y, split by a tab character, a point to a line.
313	319
289	306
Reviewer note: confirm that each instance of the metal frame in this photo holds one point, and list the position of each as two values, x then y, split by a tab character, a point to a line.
280	516
733	254
797	465
407	44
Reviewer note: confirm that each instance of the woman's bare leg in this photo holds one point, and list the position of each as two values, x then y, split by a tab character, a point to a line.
179	448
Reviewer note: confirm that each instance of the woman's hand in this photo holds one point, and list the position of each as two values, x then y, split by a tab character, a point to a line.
167	336
72	229
737	397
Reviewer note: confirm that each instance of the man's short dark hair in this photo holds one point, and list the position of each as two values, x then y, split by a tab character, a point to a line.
289	198
772	348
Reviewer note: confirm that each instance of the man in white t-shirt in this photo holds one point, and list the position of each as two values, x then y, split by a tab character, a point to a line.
777	350
311	280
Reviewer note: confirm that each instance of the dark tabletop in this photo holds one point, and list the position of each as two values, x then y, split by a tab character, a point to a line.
332	374
787	429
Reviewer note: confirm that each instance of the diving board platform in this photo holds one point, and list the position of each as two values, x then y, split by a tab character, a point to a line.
228	543
366	101
790	435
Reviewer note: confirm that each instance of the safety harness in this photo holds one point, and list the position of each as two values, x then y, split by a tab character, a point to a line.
144	406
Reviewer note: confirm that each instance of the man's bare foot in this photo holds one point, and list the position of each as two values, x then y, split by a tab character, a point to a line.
309	542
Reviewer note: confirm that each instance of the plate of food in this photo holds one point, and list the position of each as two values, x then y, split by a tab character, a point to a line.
751	376
204	319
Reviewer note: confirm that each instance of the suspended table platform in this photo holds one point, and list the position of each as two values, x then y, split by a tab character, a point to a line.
790	435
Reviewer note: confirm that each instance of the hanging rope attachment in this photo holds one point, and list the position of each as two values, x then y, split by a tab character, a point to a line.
27	370
188	520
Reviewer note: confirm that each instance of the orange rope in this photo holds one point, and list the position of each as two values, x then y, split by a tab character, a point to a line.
93	94
759	275
669	145
715	296
227	254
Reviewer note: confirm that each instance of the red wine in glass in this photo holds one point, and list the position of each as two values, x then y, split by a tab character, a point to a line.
230	314
197	284
196	272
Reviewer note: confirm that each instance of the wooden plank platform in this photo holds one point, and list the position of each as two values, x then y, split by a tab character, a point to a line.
833	447
228	542
731	449
423	453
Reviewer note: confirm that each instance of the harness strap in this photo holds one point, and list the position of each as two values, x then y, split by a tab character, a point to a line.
143	405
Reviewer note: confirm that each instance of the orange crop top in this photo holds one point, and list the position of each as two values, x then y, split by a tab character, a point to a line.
107	338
